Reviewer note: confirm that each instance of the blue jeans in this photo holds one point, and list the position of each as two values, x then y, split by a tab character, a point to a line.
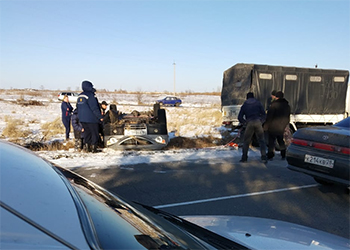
254	126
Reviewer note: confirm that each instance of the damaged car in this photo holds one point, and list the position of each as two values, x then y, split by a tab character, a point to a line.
136	130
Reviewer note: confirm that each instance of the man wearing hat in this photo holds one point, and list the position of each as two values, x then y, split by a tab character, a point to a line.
277	119
271	98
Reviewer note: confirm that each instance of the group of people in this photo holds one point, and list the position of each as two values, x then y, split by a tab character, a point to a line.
86	119
260	122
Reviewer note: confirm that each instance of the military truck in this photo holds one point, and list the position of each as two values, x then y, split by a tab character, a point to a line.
316	96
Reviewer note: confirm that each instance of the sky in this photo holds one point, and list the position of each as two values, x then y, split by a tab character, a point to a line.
169	45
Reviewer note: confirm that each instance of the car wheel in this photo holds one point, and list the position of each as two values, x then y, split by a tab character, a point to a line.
177	104
323	182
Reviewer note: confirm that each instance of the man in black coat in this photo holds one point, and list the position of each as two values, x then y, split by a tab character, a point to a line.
252	114
277	119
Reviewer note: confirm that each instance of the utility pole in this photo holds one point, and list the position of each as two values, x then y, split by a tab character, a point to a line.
174	77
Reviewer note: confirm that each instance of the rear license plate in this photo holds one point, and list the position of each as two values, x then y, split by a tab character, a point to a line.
328	163
135	132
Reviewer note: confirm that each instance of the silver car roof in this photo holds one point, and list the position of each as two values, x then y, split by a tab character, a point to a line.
33	188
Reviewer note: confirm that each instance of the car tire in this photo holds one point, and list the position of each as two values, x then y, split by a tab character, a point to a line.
177	104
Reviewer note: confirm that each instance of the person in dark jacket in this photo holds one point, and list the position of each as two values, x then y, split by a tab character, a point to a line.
78	131
66	109
271	98
277	119
90	116
103	107
252	115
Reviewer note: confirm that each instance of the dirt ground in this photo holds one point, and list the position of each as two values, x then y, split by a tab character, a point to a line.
184	142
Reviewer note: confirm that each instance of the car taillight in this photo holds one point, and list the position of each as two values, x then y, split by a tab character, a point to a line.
299	142
345	151
322	146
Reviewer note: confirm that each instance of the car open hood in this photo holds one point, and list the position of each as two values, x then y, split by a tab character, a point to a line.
259	233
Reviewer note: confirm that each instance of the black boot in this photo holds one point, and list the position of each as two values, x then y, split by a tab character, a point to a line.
283	154
95	149
88	148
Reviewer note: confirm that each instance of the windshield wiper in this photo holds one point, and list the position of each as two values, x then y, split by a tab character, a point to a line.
212	238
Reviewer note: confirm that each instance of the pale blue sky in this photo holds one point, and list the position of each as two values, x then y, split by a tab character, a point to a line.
132	45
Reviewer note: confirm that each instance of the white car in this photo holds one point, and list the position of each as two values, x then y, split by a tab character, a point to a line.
72	96
43	206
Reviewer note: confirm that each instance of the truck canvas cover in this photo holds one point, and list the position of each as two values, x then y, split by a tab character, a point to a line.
308	90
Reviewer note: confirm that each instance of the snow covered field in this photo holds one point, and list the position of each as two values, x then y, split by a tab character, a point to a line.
181	122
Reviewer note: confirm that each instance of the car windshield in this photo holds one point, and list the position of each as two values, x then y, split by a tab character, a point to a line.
117	223
131	226
344	123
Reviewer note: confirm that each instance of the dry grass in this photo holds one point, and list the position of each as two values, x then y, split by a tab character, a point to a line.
14	129
51	129
178	119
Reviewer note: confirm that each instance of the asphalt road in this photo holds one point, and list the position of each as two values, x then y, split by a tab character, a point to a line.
227	187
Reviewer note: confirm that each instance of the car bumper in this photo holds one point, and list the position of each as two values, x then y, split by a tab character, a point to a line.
145	142
339	173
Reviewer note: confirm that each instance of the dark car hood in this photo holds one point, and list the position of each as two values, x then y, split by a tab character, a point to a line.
260	233
326	134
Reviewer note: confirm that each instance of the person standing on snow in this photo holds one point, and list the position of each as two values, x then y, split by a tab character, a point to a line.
89	115
252	115
277	119
66	109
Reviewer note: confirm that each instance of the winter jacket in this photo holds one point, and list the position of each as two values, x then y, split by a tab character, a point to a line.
251	110
66	109
87	104
75	121
278	116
